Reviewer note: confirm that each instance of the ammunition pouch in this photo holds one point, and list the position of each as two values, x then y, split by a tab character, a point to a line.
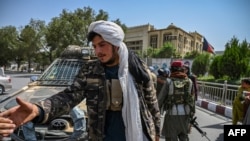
114	95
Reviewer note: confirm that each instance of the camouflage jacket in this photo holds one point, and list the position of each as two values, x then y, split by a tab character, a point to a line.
90	84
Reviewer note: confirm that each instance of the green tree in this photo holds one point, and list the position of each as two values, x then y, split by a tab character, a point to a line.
30	37
149	52
8	42
166	51
191	55
235	61
71	28
245	57
43	60
214	68
200	64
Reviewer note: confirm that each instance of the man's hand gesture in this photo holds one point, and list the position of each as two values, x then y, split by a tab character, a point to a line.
22	113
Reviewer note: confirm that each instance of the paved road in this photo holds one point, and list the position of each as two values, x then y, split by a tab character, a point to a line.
208	121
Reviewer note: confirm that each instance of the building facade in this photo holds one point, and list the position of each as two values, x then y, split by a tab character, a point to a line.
136	38
140	38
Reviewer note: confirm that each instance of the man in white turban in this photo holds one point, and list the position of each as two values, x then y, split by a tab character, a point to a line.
119	92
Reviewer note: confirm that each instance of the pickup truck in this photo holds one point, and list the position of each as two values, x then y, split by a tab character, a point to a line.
59	75
5	81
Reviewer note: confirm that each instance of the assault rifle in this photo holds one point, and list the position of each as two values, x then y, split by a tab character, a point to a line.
196	126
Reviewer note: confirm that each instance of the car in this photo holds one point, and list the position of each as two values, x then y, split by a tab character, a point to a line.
31	70
58	76
5	82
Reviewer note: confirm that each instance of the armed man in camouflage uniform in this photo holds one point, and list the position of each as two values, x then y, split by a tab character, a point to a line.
120	96
176	99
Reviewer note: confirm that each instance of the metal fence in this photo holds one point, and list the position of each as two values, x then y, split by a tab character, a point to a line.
222	94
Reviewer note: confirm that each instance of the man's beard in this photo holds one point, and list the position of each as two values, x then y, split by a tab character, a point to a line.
111	60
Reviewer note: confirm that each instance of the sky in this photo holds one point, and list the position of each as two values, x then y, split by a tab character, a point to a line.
217	20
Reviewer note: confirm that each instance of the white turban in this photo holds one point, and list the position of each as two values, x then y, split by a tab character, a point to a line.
113	33
110	32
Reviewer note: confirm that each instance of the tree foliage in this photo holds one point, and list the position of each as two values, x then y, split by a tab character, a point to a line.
39	42
214	68
8	40
201	64
30	40
234	61
166	51
191	55
72	28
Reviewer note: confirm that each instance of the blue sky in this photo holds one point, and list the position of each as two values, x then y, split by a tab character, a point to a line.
217	20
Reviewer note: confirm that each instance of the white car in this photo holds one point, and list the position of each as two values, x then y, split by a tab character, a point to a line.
5	82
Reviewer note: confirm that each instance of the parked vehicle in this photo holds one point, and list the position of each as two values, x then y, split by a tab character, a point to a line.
31	70
59	75
5	81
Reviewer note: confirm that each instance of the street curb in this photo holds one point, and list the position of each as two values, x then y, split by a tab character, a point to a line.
216	108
